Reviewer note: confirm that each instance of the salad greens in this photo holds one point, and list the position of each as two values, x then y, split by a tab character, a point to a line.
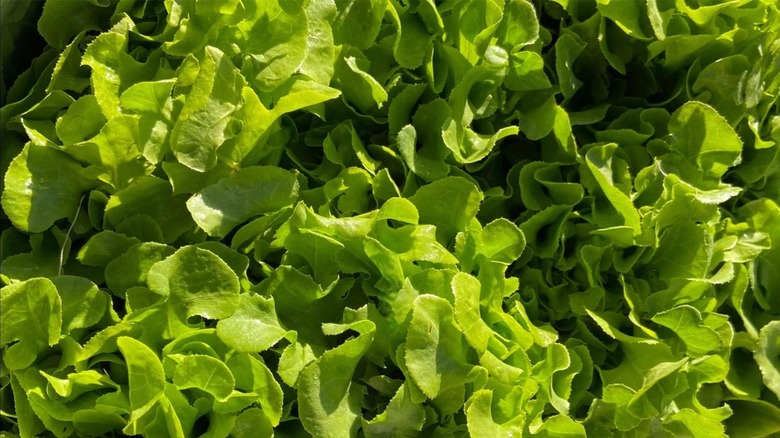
391	218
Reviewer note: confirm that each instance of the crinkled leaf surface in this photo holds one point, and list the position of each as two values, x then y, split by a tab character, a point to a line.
202	124
220	207
41	186
197	281
205	373
31	317
145	376
328	400
253	327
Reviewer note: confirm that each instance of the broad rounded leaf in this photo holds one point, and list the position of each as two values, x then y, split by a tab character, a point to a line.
705	137
203	123
196	281
254	190
449	203
206	373
276	44
42	185
768	355
83	304
328	401
436	349
32	315
145	375
254	326
130	269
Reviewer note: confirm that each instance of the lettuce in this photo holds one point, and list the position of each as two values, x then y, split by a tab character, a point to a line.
390	218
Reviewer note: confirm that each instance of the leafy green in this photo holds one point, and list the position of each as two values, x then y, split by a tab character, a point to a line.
201	126
254	326
32	320
205	373
42	185
449	203
222	206
345	218
196	281
329	402
766	355
145	379
437	355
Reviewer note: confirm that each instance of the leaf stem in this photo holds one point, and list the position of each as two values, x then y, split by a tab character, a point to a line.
67	236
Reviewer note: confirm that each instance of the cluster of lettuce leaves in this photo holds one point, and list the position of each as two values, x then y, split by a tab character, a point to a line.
393	218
